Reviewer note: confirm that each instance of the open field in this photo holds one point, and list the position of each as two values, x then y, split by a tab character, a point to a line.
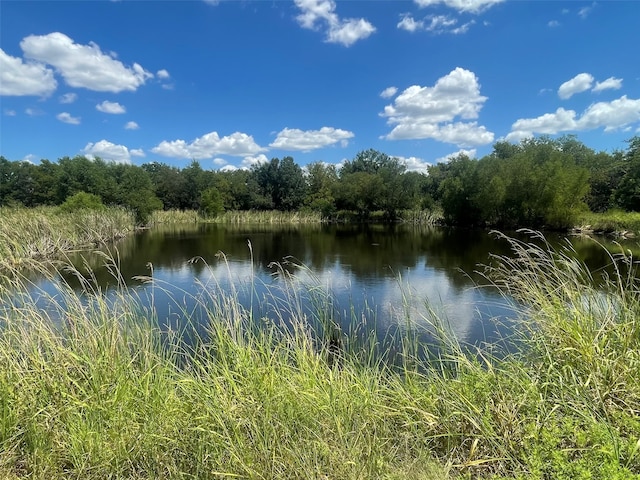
90	387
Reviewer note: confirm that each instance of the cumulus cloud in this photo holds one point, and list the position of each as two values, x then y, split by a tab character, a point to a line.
429	112
249	161
162	74
210	145
66	117
470	6
414	164
305	141
131	126
580	83
553	23
610	83
410	24
388	92
18	78
613	115
110	107
84	66
9	113
320	14
110	152
68	98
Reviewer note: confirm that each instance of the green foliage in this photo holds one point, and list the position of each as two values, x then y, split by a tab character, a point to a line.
537	183
627	195
534	184
211	203
80	201
280	185
375	181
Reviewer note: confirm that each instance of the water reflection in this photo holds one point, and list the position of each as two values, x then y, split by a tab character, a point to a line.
382	275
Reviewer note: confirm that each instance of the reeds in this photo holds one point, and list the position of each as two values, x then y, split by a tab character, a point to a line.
43	232
93	385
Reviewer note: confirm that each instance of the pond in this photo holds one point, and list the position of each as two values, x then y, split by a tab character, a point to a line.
373	278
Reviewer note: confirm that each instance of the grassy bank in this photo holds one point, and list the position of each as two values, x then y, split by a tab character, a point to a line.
274	217
90	388
37	233
613	222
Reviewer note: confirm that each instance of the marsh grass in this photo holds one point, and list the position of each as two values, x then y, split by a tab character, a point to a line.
612	222
44	232
95	386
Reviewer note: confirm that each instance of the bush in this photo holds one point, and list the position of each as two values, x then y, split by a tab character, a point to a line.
82	201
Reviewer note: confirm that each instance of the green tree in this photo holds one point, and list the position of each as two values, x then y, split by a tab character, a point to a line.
321	180
627	194
280	184
135	191
379	176
211	202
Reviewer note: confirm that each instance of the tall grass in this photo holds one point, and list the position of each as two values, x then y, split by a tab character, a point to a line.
37	233
94	386
174	216
612	222
273	217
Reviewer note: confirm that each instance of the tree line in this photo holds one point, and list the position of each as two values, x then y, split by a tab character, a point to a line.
540	182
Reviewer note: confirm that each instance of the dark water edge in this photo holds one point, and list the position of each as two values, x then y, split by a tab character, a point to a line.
380	284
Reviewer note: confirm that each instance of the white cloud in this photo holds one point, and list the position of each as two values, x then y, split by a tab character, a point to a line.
414	164
437	24
249	161
440	23
33	112
469	153
580	83
337	30
428	112
68	98
110	151
137	152
162	74
389	92
84	66
219	162
110	107
9	112
553	23
608	115
131	126
210	145
610	83
409	24
18	78
462	28
470	6
67	118
585	11
295	139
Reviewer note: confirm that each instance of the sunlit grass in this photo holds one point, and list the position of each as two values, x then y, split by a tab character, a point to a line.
93	386
613	221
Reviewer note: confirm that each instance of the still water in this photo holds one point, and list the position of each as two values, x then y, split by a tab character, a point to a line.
381	277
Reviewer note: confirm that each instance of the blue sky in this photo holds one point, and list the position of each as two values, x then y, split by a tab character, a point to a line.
233	83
